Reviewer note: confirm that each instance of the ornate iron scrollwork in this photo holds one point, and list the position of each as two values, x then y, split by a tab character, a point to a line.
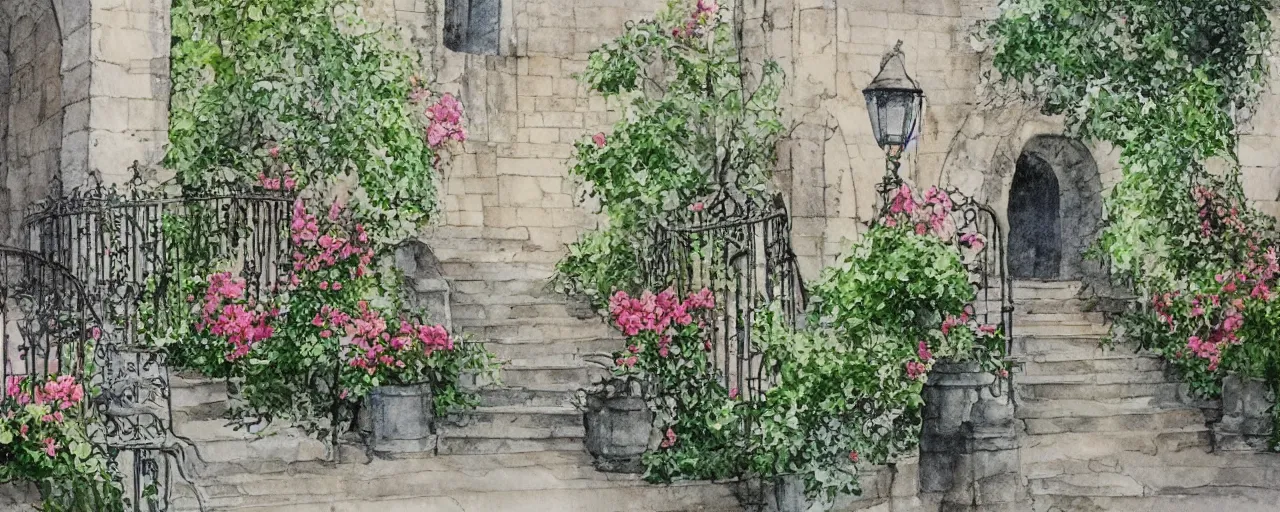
118	254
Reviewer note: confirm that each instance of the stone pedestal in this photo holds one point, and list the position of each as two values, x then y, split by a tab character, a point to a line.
968	442
426	290
1246	415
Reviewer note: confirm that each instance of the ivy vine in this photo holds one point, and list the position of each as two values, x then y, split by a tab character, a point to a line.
1166	82
303	90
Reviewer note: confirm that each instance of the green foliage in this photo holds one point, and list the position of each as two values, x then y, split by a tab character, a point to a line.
1164	81
307	97
43	439
311	82
849	384
690	121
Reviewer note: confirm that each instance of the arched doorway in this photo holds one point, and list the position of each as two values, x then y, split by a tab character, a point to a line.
1055	210
1035	224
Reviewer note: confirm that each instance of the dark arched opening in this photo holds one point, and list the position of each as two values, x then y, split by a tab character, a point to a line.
1035	222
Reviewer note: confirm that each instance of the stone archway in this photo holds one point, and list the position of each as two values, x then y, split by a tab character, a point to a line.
1055	210
31	105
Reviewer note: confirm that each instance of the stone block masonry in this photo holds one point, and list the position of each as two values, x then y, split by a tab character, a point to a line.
84	92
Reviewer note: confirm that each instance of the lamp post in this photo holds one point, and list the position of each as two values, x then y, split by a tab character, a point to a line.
894	102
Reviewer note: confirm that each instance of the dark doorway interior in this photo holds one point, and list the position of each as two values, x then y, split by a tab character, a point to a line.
1035	225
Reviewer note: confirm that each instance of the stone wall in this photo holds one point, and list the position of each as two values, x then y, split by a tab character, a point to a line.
30	105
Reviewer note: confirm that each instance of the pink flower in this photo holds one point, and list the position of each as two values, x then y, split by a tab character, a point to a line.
326	333
599	139
853	456
336	286
974	241
324	285
95	332
50	447
670	439
274	151
697	207
915	370
733	393
922	350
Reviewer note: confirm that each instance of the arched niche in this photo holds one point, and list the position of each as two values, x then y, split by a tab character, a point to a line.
31	99
1054	210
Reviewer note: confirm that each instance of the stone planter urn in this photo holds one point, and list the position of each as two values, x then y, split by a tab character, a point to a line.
618	428
1246	415
788	493
400	419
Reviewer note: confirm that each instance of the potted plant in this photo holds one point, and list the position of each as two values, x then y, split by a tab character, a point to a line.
406	395
43	440
618	423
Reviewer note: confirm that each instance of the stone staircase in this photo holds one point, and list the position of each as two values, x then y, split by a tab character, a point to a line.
546	347
1094	419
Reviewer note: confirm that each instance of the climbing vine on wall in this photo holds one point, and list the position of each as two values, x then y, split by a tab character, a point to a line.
305	99
1165	82
691	120
307	91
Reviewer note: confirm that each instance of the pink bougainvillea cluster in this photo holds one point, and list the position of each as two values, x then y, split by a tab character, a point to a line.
34	411
444	116
330	271
931	214
226	313
704	15
667	341
371	346
1211	317
656	313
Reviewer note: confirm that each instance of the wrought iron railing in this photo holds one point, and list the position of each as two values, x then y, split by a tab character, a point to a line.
122	247
989	270
740	249
126	257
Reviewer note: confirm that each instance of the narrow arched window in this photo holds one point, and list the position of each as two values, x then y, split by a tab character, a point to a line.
472	26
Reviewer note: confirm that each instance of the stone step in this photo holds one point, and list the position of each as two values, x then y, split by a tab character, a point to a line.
1068	408
1050	305
217	442
532	333
491	426
1026	289
1165	420
1151	377
555	352
559	418
1022	317
450	444
1061	329
1118	365
471	313
559	481
1049	454
196	398
1055	348
1090	391
1086	484
552	378
508	396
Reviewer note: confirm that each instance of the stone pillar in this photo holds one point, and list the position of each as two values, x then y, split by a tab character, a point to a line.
1246	415
426	291
968	443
